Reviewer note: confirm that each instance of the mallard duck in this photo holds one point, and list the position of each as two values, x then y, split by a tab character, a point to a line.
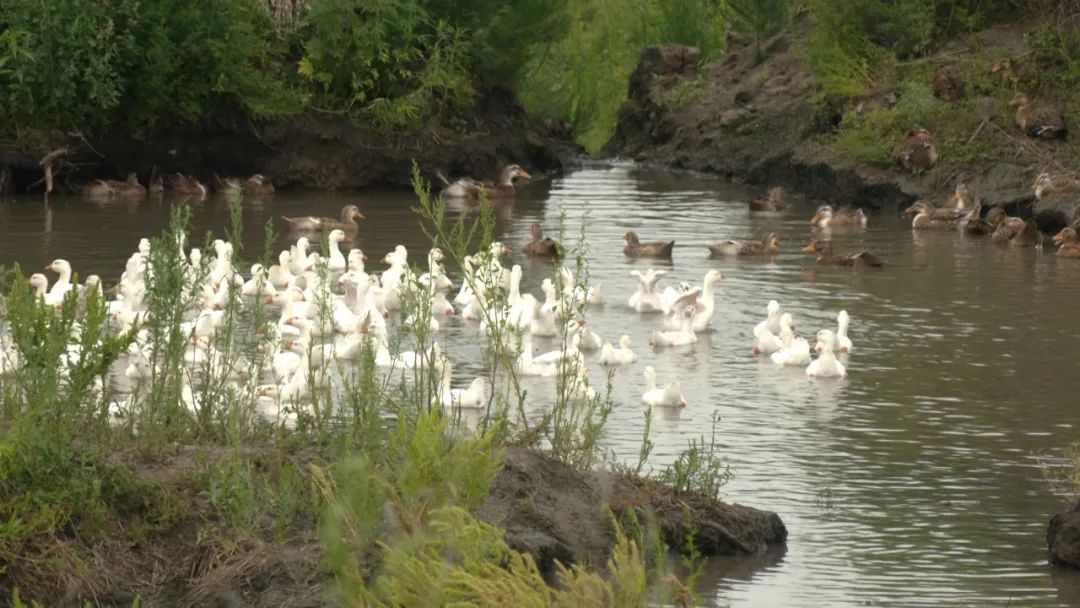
960	199
1007	70
1016	232
827	217
185	184
540	245
772	201
916	151
258	185
1068	243
947	87
106	188
1050	183
824	249
350	214
769	245
973	223
928	217
468	187
654	249
1037	120
226	185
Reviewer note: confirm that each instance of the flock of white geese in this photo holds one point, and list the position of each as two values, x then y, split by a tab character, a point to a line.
331	309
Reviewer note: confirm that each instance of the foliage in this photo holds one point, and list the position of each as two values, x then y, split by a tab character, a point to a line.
699	468
759	18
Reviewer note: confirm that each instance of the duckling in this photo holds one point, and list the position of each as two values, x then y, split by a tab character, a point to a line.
824	249
960	199
770	245
773	201
916	151
654	249
947	87
540	246
1068	243
827	217
471	188
350	215
1036	119
1017	233
1050	183
928	217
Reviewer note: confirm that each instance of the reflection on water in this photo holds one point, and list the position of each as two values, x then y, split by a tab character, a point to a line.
912	482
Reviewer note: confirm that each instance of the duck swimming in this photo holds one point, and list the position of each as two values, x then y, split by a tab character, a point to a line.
647	298
609	355
540	245
471	188
350	215
826	365
928	217
770	245
654	396
773	201
1017	232
824	249
654	249
793	351
827	217
1068	243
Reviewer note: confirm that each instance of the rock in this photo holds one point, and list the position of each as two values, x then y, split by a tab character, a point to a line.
1063	536
554	512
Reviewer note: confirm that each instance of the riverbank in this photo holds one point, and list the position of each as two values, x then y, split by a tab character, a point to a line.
172	543
311	150
769	123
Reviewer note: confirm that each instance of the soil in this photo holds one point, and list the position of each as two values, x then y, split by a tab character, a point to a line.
760	122
548	509
1063	536
310	150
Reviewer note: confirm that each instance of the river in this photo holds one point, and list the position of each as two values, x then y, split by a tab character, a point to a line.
915	481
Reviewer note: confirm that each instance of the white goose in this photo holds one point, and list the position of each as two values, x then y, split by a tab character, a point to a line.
707	301
843	343
671	295
527	365
40	284
647	297
668	396
793	351
473	397
609	355
545	317
280	276
826	365
55	295
679	337
772	323
337	261
356	261
259	284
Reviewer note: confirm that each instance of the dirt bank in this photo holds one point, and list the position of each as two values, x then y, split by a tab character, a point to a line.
168	546
310	150
765	123
1063	536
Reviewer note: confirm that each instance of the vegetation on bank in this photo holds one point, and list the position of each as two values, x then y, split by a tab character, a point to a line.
406	66
195	465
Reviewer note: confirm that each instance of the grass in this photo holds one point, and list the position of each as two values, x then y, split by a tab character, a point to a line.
192	481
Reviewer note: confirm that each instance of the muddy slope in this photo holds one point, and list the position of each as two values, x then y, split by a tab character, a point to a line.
548	510
758	122
310	150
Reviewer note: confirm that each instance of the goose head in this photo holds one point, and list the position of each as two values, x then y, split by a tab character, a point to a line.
650	378
512	172
624	342
336	236
356	260
39	282
60	266
351	214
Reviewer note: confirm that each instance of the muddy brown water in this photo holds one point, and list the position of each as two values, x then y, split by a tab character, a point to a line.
915	481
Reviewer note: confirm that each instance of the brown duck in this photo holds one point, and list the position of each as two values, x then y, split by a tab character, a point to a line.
929	217
350	214
1016	232
468	187
769	245
972	222
1036	119
185	184
106	188
1068	243
1051	183
773	201
827	217
916	151
157	186
258	185
654	249
960	199
824	249
947	87
540	245
226	185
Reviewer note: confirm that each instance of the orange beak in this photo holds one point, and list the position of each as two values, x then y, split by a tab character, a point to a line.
260	330
812	247
48	267
290	321
359	216
269	300
524	174
363	256
1058	238
506	249
910	211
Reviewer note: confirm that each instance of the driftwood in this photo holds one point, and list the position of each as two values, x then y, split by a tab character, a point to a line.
47	162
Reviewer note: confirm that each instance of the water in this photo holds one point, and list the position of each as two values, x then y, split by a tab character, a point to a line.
913	482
